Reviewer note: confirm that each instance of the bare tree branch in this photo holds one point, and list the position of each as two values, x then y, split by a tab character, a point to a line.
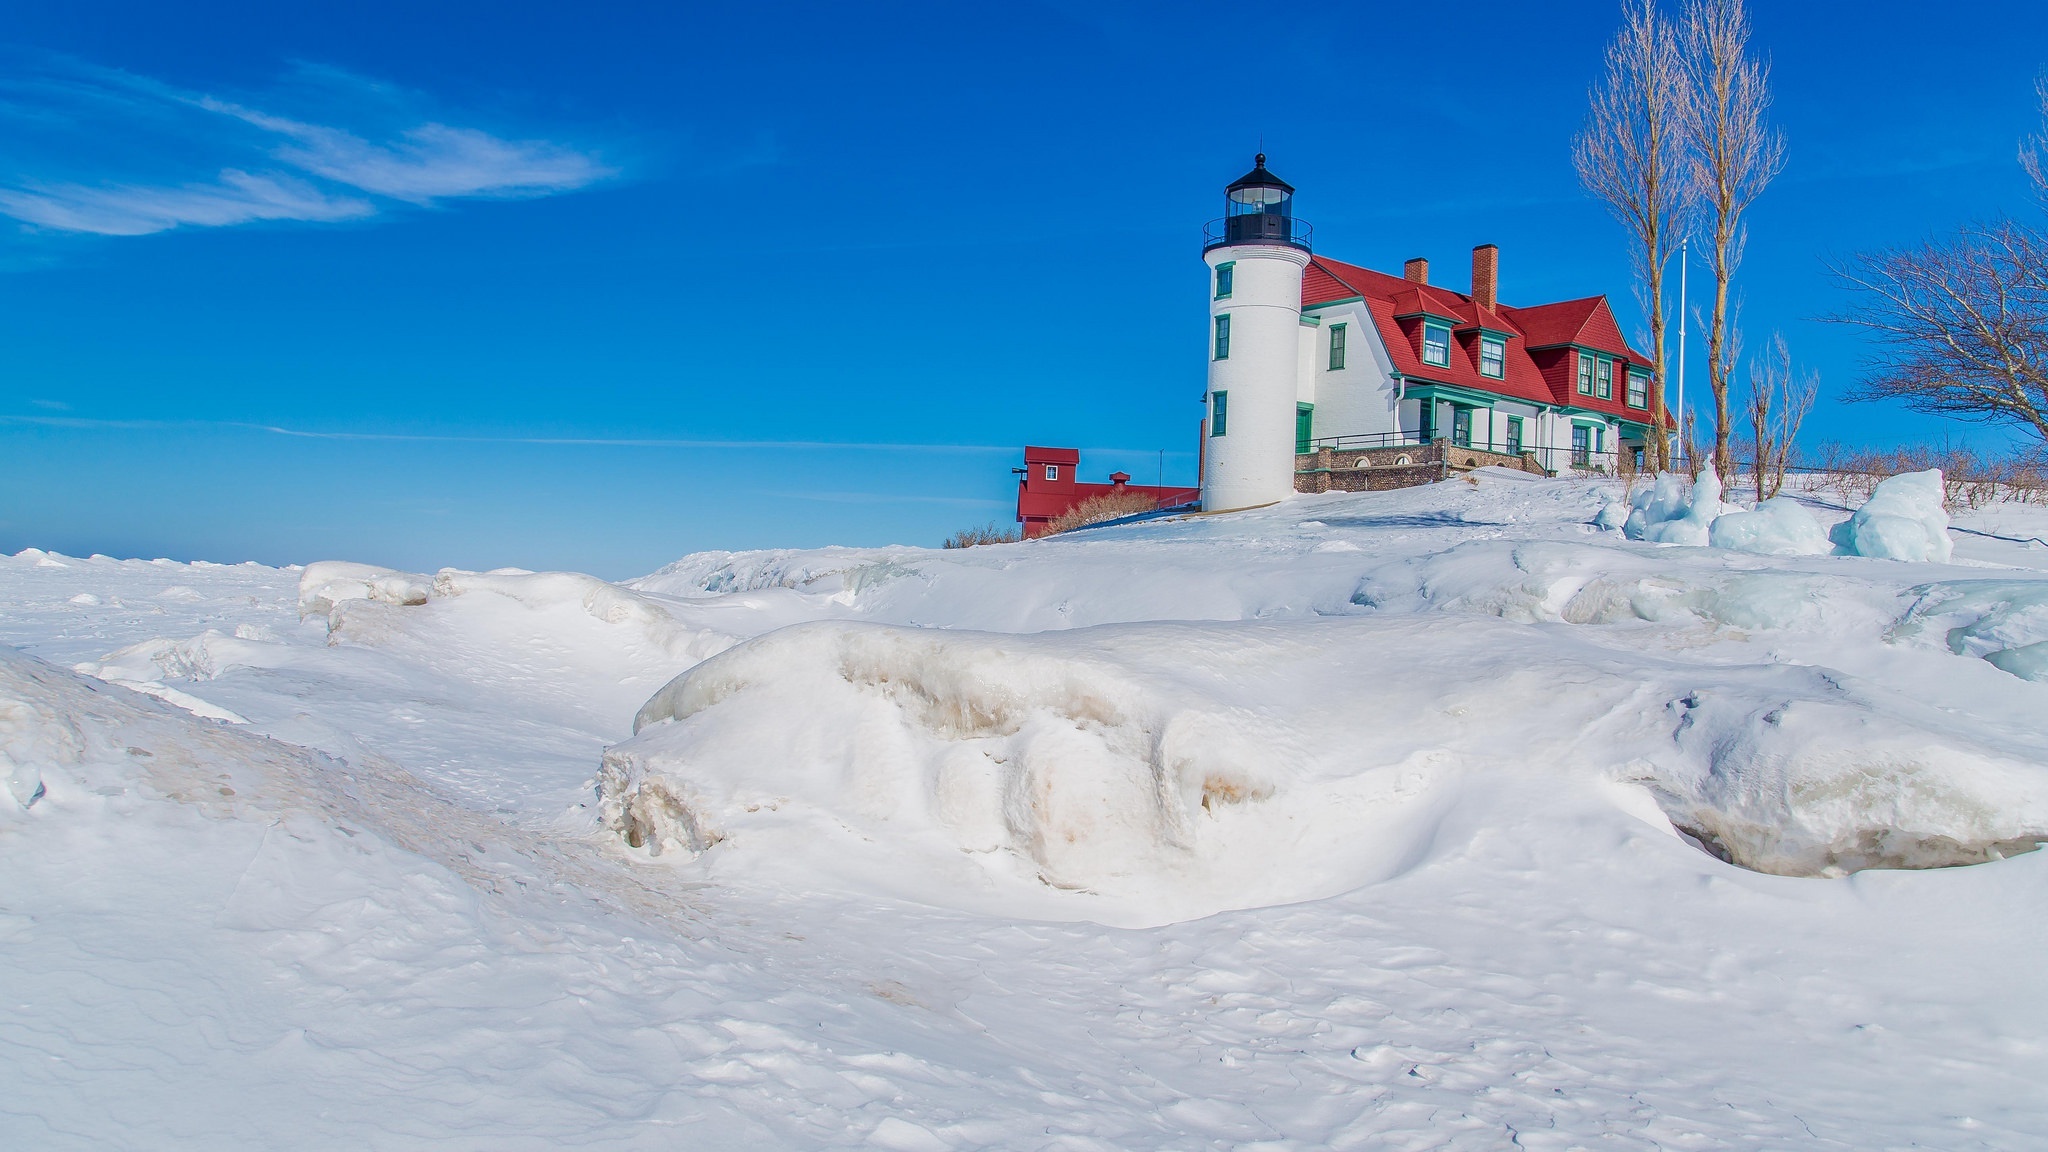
1779	400
1959	327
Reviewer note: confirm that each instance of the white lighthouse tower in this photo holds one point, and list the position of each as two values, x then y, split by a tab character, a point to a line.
1255	254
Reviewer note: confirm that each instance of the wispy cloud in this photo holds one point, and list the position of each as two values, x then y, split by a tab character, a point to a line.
237	197
272	166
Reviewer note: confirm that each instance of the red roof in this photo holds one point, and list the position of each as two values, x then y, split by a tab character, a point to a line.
1398	307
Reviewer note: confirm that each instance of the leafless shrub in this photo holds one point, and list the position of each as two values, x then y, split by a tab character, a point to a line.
1096	509
1969	479
986	534
1778	404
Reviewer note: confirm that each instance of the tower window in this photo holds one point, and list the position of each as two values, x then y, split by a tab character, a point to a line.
1225	274
1219	413
1223	336
1638	389
1436	344
1336	347
1493	357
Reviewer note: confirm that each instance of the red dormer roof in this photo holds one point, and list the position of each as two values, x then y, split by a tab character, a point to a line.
1398	307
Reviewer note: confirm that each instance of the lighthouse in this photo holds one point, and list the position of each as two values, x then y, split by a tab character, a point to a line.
1256	254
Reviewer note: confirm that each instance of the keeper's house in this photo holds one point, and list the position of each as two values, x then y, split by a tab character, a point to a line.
1325	375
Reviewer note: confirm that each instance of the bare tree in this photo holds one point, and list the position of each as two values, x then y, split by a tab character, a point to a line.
2034	149
1630	154
1960	326
1733	155
1779	400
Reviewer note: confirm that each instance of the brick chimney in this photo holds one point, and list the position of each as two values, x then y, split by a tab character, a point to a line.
1486	276
1416	271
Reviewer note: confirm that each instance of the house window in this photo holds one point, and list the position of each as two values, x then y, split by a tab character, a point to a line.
1582	446
1604	374
1336	347
1052	471
1585	374
1436	343
1638	389
1493	357
1514	435
1304	427
1461	427
1219	412
1225	274
1223	337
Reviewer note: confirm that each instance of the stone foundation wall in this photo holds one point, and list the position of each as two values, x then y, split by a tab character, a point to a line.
1398	466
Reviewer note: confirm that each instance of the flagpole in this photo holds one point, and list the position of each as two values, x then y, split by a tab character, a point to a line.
1682	262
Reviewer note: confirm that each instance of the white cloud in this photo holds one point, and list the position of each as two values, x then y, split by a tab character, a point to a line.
237	197
291	169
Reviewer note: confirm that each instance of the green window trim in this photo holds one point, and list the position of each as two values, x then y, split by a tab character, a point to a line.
1226	277
1513	435
1493	350
1603	377
1337	347
1638	389
1585	373
1219	413
1223	337
1443	358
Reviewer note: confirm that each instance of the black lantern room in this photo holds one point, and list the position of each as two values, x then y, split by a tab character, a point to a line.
1258	208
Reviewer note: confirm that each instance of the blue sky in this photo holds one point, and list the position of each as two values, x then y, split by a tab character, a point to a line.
518	284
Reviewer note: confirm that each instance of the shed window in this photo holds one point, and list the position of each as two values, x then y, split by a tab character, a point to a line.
1223	337
1493	357
1436	343
1336	347
1052	471
1219	413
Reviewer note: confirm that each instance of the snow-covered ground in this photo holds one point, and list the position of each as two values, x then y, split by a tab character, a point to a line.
1389	820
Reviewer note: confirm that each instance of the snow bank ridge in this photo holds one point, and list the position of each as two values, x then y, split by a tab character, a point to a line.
977	741
331	588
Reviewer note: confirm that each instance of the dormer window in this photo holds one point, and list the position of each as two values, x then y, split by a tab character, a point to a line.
1436	343
1226	272
1585	374
1603	376
1493	356
1052	471
1638	389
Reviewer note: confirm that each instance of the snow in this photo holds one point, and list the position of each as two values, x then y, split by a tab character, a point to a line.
1438	818
1780	526
1903	520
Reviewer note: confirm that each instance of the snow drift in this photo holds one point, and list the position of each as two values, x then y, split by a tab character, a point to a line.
1174	770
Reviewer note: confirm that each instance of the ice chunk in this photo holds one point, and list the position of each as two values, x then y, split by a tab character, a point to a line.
330	582
1780	526
2003	621
1666	514
1903	520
